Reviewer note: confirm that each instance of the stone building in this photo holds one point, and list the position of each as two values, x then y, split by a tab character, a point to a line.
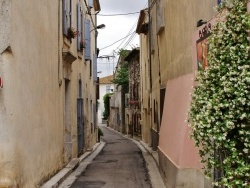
48	98
117	100
133	111
105	86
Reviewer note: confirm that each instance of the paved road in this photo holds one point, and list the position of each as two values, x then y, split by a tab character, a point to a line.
119	165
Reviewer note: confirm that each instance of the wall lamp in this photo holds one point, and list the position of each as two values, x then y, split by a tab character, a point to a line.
101	26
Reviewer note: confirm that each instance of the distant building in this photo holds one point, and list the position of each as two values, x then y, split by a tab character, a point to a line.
105	86
117	100
133	110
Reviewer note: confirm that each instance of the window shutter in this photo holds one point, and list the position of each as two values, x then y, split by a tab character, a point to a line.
90	3
79	26
94	115
64	12
87	39
69	12
95	67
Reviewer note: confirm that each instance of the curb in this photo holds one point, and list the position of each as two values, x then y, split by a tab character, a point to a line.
66	171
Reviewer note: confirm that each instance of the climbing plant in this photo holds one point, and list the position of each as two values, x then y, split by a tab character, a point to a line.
106	102
122	75
219	114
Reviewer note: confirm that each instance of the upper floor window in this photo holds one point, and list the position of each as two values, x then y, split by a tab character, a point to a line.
67	16
80	20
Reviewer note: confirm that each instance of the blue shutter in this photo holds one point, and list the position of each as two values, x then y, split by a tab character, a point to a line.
87	40
79	24
69	12
94	114
95	67
90	3
65	16
219	1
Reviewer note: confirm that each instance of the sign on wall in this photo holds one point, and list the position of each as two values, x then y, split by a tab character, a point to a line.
202	46
200	41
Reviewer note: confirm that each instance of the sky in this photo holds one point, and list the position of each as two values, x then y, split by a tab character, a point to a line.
117	27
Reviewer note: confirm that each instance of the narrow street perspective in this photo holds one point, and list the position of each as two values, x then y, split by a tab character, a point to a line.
119	164
125	94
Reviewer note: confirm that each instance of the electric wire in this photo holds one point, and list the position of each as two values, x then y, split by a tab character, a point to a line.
117	41
121	14
129	40
131	29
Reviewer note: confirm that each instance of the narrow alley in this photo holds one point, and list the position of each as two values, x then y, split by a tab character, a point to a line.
119	164
124	94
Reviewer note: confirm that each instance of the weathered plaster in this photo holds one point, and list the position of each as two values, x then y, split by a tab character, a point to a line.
5	24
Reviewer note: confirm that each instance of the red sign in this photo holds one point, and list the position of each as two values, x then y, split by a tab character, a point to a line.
1	82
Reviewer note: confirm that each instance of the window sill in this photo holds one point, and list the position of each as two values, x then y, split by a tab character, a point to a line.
80	55
66	41
68	57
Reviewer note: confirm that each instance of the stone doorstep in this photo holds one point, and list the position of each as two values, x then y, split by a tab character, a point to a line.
66	171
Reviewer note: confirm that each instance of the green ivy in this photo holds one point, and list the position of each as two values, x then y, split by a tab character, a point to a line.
219	114
106	112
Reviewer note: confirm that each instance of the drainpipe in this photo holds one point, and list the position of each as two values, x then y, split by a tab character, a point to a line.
149	42
96	31
59	52
96	84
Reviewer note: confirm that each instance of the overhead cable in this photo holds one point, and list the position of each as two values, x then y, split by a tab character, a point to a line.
121	14
117	41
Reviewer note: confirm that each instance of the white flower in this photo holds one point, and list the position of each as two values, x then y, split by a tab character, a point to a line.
245	150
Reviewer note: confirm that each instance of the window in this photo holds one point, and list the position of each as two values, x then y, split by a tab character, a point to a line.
87	39
95	67
66	15
108	89
79	27
90	3
90	68
80	88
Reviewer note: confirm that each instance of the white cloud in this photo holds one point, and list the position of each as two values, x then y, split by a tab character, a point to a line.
117	27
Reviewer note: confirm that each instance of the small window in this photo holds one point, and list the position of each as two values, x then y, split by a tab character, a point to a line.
90	3
90	68
80	43
67	4
108	89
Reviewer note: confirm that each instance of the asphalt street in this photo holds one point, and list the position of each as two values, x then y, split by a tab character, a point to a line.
119	165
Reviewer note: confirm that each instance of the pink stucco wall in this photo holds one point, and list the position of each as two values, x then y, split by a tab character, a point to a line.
174	139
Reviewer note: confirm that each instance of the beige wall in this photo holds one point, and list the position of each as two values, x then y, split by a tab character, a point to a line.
32	104
176	64
31	110
172	68
175	41
145	89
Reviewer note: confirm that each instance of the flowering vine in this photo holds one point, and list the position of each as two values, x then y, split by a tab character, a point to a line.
219	114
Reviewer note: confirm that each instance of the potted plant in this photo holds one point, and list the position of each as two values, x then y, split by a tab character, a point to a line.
100	133
82	45
72	33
